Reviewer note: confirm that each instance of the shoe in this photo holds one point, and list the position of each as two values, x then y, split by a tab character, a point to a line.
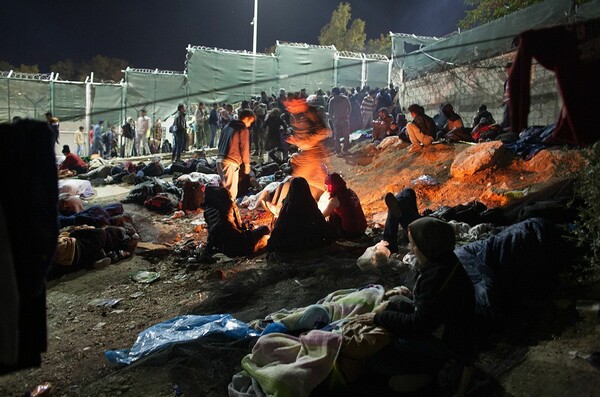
393	205
99	264
414	148
409	383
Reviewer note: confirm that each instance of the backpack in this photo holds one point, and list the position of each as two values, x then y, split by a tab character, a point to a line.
173	128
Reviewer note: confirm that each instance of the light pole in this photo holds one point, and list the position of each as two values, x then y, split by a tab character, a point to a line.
255	26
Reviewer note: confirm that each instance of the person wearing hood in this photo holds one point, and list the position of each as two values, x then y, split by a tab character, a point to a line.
344	209
300	225
226	232
433	322
234	151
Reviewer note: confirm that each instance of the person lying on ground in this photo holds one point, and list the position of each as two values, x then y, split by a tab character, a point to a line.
300	226
69	204
86	246
226	232
344	210
72	162
433	322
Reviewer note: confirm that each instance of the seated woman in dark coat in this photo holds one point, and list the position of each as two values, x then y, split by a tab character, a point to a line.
300	226
226	233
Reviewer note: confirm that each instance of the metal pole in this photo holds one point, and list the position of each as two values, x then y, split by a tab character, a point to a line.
255	25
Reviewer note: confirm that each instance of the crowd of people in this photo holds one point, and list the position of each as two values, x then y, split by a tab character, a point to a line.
312	207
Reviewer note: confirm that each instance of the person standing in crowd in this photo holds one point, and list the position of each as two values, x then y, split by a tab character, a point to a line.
213	123
72	162
97	142
366	108
53	124
107	140
180	129
339	110
79	136
421	130
200	118
234	151
505	124
141	134
128	132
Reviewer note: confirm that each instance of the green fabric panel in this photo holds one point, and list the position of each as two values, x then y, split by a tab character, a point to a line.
219	76
29	98
349	72
106	104
158	93
377	74
483	41
5	113
305	67
69	101
590	10
399	39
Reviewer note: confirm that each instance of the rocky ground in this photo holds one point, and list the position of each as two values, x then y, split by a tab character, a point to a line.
544	357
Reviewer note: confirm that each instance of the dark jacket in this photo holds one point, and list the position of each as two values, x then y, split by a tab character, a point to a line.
443	295
234	144
180	123
426	124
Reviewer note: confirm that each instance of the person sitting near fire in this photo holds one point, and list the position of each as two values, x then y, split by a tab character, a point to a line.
300	226
454	129
343	209
421	130
226	232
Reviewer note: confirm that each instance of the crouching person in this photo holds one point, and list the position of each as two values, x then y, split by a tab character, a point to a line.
433	322
226	233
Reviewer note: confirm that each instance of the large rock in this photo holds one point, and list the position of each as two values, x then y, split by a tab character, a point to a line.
478	157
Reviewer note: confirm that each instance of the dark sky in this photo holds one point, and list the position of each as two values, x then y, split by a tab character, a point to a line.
155	33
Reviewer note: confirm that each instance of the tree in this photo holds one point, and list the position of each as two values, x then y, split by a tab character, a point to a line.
104	68
337	32
382	45
67	69
6	66
489	10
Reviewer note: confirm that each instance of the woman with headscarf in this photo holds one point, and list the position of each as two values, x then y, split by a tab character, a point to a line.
300	226
343	209
434	321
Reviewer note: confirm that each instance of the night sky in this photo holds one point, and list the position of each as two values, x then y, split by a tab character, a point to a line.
155	33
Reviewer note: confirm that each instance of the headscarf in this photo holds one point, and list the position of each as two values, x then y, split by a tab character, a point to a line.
433	237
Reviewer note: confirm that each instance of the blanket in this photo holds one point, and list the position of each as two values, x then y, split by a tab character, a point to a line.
288	366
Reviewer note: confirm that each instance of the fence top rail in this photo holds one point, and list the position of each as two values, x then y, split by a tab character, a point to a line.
291	44
26	76
154	71
376	57
215	49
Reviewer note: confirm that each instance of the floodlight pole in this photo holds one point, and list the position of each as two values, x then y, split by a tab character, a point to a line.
255	26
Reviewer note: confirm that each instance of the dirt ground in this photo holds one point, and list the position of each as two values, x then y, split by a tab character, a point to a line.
543	358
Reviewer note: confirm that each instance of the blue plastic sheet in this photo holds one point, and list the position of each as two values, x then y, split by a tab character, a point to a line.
178	330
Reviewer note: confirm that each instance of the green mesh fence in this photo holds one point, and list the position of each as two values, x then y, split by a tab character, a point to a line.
219	75
69	100
485	41
157	92
106	104
28	98
349	71
304	66
377	73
